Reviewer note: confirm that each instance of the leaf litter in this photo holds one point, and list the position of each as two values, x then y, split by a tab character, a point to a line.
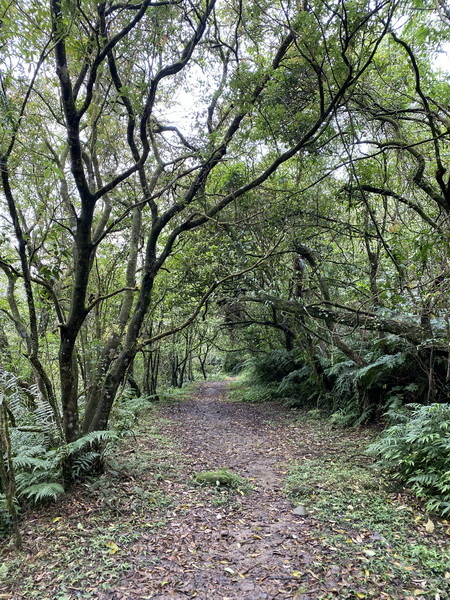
145	529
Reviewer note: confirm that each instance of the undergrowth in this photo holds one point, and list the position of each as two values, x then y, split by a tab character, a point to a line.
43	465
99	533
350	394
177	394
365	525
416	450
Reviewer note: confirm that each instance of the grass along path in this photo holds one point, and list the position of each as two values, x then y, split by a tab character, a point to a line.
146	529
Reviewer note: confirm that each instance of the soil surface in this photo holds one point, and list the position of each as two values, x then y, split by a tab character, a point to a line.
251	548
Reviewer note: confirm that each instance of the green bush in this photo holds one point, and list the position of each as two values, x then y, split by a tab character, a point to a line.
249	388
232	364
416	449
350	394
269	376
42	463
300	388
361	393
126	412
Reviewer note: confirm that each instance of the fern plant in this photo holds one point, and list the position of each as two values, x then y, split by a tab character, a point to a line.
281	374
126	412
40	463
39	471
360	392
416	450
27	408
300	388
271	367
352	394
38	453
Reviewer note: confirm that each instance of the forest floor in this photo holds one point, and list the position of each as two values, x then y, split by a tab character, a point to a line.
146	530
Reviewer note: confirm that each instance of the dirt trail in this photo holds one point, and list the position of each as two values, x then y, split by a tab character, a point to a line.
253	548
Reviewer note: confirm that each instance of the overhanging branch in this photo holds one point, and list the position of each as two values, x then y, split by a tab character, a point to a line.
204	298
327	311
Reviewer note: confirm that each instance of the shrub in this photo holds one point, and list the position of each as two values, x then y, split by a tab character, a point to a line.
416	449
361	393
300	388
232	364
349	393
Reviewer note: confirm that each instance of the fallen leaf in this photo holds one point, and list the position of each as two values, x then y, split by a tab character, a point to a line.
429	527
113	547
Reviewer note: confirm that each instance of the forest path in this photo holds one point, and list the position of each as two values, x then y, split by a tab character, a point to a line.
249	547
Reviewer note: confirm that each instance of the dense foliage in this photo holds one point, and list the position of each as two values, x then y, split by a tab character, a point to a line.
417	450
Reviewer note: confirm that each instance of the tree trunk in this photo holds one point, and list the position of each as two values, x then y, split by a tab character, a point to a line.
7	477
133	383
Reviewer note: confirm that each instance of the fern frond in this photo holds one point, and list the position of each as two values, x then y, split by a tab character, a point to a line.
44	415
340	367
271	367
43	491
89	439
22	461
84	463
35	450
417	448
381	367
